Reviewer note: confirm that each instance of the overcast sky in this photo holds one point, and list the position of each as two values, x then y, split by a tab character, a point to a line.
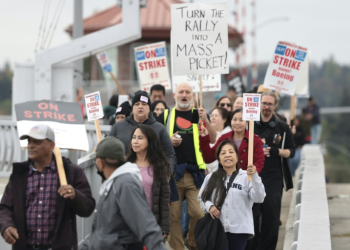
320	25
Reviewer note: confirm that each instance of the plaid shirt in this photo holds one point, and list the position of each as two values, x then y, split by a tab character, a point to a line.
41	196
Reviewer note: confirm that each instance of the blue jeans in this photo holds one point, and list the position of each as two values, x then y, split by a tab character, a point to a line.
316	131
185	217
294	162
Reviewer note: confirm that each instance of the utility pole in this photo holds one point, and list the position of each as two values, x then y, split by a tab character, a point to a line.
78	31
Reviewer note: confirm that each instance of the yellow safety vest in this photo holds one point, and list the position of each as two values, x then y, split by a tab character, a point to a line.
165	113
199	158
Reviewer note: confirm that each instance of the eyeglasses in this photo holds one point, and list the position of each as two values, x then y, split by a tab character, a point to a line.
223	105
269	104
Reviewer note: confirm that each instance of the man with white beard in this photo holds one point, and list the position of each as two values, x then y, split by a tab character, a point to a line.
190	170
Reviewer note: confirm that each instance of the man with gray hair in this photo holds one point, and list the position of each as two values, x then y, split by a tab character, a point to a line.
35	212
190	169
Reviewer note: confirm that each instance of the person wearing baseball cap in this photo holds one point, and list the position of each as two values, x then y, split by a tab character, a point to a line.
48	219
122	111
122	208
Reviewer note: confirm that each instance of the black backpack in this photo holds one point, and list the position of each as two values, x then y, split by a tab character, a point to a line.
209	233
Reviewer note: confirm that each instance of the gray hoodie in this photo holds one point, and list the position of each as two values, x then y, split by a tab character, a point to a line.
122	130
122	215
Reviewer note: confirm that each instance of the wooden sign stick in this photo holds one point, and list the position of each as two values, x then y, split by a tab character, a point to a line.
292	110
120	88
200	92
60	169
197	98
98	130
251	146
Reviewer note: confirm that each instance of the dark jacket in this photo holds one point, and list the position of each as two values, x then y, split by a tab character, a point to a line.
13	211
122	130
276	168
122	218
208	153
160	201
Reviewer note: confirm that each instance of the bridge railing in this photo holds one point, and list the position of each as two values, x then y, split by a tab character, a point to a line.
308	225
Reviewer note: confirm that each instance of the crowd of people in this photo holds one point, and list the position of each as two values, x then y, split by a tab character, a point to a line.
162	169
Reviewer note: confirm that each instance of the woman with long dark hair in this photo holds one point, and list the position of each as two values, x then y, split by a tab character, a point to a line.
236	211
146	151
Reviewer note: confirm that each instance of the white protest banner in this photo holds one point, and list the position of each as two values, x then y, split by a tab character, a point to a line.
104	61
152	65
199	38
285	68
122	98
210	82
94	109
63	117
251	107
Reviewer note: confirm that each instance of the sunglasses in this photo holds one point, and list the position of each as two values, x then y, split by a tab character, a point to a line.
223	104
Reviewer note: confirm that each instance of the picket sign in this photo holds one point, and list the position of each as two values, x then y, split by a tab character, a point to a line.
107	67
64	118
251	113
94	111
60	169
152	66
200	92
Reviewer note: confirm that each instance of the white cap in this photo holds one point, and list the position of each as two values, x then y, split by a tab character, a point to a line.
40	132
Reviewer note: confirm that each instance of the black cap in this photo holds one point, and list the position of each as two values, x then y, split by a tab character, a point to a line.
124	109
141	96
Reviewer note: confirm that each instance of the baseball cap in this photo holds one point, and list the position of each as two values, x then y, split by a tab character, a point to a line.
40	132
111	148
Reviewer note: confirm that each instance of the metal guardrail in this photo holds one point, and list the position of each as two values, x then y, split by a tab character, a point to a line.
308	225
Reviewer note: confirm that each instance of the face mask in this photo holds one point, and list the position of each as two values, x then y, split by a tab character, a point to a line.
100	173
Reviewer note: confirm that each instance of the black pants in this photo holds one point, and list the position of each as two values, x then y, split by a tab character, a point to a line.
236	241
270	210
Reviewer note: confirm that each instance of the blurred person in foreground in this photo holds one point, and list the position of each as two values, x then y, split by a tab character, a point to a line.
35	211
122	217
235	212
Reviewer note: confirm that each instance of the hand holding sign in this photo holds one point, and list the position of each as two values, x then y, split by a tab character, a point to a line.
251	113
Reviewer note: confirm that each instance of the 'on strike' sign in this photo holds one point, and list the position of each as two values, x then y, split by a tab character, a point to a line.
94	109
285	68
152	66
199	38
251	107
